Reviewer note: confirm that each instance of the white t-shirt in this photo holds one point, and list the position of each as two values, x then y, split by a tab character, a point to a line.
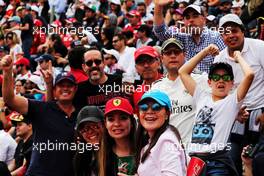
165	158
7	147
252	52
16	49
183	107
127	61
213	121
139	43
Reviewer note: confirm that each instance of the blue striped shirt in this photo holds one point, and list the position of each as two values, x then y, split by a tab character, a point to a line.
191	48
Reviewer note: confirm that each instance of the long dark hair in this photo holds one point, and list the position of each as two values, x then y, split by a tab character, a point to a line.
106	163
142	140
85	163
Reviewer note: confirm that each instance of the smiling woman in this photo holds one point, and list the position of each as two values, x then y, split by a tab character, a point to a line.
118	143
158	143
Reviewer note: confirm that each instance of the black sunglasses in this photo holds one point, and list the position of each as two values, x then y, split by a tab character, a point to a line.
97	62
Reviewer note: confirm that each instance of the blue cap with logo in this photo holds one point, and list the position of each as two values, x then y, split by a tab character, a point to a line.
160	97
65	76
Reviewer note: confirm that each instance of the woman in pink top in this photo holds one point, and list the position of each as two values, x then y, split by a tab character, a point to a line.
159	149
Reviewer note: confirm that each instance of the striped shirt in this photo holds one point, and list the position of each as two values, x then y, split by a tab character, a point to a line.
191	48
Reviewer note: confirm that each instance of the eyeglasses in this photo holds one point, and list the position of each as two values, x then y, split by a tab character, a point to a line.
115	41
169	52
97	62
9	37
19	65
88	127
154	107
216	77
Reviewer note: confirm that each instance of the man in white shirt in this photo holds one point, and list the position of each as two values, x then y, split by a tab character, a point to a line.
7	146
183	109
252	52
126	54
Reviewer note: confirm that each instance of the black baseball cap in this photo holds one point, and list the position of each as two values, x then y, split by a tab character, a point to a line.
45	57
89	114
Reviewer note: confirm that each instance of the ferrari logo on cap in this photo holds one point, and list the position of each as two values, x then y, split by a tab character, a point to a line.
116	102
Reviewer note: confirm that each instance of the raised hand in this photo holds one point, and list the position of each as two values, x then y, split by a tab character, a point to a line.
162	2
48	74
243	115
6	63
212	49
237	55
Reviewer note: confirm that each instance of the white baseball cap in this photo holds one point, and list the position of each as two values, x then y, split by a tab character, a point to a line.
37	80
194	7
230	18
117	2
35	8
112	52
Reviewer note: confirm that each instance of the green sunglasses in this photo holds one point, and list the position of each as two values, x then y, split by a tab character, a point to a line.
225	77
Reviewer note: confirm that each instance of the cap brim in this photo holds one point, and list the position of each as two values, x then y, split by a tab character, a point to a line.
188	9
118	109
90	119
172	43
153	98
61	79
148	54
39	59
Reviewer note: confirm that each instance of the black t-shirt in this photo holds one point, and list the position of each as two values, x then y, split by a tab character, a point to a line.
23	151
53	140
27	33
98	95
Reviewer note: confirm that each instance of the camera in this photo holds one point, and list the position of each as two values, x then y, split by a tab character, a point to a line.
251	151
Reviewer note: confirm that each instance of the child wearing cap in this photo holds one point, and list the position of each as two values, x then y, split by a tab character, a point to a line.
159	149
116	155
216	111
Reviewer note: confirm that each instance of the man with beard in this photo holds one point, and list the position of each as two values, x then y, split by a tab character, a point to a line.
194	37
252	51
100	87
22	69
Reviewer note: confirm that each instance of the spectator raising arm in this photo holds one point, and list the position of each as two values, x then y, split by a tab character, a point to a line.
158	11
187	68
17	103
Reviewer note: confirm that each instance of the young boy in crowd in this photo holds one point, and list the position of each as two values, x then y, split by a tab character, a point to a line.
216	111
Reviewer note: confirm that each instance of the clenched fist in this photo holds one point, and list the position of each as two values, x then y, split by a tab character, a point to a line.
6	63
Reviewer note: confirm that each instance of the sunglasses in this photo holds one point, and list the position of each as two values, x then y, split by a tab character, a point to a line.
143	61
216	77
20	65
97	62
172	51
115	41
154	107
9	37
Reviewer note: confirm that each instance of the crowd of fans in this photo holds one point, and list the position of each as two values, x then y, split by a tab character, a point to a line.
131	87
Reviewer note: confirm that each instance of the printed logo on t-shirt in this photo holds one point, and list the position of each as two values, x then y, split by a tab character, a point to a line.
203	129
178	108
